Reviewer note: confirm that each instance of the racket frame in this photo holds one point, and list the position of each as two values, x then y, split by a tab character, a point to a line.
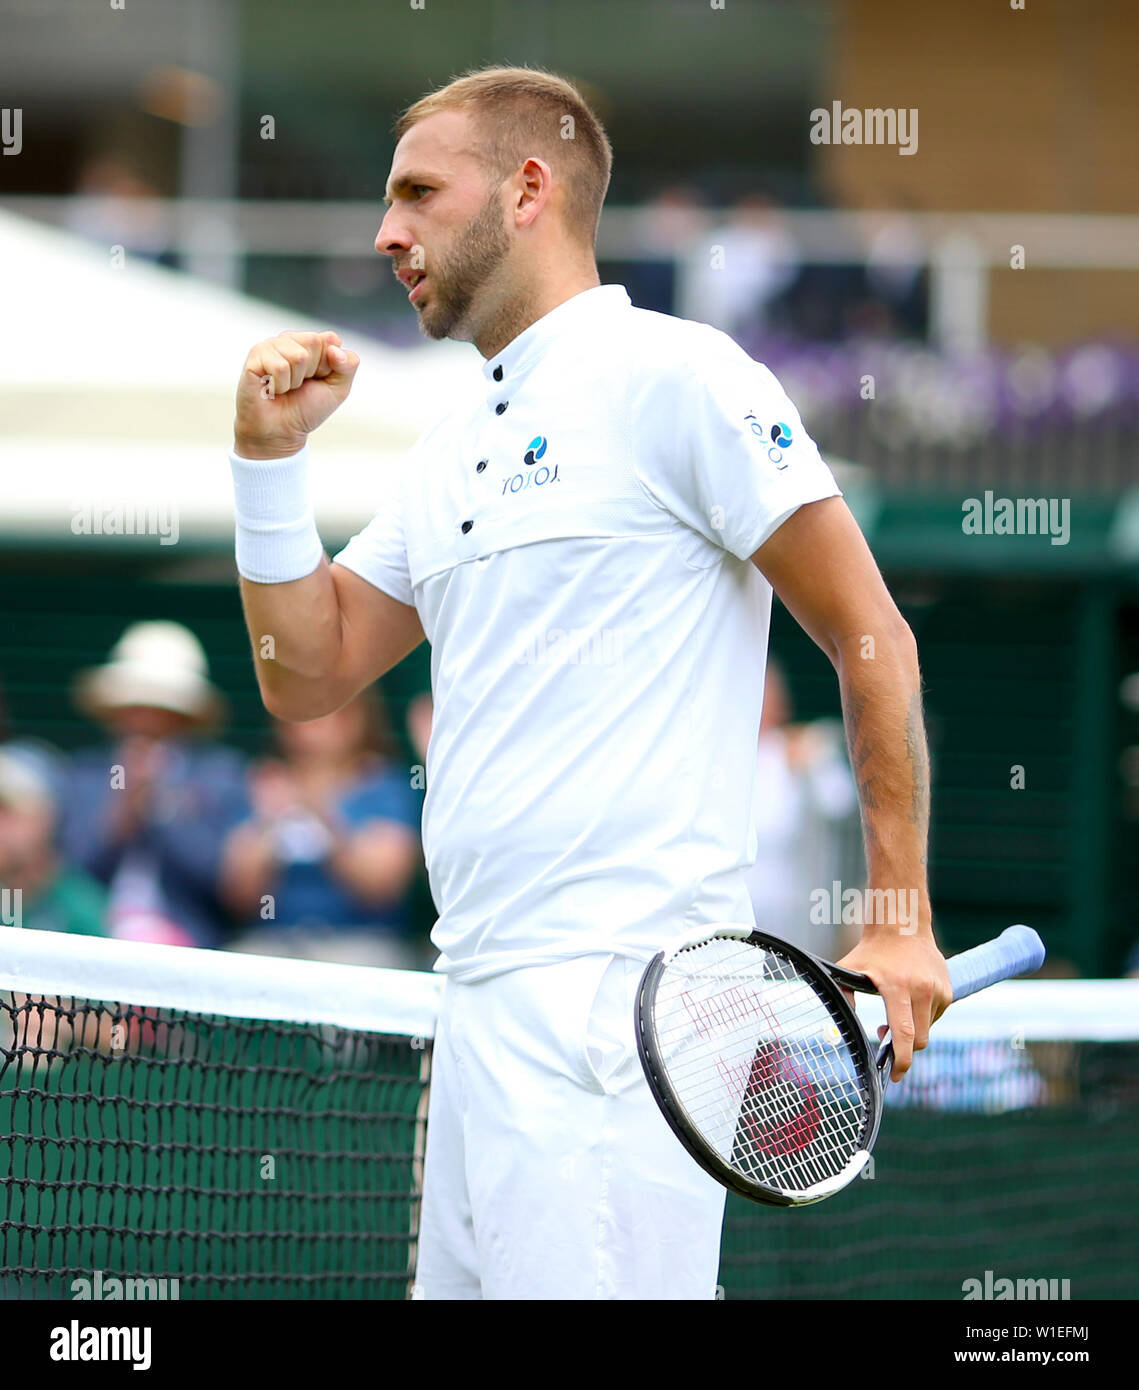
830	981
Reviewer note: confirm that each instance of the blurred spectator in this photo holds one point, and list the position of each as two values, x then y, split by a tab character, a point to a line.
672	218
43	893
326	863
740	267
115	206
149	815
897	279
806	824
667	225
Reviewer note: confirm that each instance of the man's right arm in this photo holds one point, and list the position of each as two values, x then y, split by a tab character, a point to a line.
319	632
320	640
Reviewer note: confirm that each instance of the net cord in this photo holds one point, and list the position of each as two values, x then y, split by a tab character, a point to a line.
193	980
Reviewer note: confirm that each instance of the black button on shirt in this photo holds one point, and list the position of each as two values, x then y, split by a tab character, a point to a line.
498	373
467	526
500	407
480	465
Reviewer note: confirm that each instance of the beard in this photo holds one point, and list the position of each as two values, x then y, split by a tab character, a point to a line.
457	275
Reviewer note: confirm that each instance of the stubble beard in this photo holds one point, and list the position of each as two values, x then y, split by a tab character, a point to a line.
457	277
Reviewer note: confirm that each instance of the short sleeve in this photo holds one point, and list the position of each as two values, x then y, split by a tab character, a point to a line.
722	448
378	553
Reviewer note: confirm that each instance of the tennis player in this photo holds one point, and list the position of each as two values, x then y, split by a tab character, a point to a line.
590	544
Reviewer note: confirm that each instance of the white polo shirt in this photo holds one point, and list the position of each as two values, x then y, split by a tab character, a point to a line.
577	543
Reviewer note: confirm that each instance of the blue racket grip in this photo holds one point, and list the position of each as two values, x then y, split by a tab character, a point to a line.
1015	952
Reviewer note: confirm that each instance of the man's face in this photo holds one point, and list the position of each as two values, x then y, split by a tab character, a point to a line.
445	222
25	836
147	721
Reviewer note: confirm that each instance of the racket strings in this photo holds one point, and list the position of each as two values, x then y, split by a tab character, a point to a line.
784	1129
764	1069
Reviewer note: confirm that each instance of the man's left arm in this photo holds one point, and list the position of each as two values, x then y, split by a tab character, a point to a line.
819	564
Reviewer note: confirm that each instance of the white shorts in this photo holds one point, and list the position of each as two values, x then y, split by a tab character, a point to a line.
549	1171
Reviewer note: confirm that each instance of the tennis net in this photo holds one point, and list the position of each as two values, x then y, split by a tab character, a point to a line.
254	1128
207	1125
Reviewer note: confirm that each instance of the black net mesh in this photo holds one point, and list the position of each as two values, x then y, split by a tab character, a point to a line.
241	1158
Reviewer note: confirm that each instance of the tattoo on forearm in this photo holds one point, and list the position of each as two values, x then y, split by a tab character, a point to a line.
859	745
863	743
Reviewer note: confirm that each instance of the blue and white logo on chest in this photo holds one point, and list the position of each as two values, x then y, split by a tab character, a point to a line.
535	473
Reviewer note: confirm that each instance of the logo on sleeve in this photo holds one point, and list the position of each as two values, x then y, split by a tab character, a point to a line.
775	442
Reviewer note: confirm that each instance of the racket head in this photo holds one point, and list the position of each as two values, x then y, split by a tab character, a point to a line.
759	1065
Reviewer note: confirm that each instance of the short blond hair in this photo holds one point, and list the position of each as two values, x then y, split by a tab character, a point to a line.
522	112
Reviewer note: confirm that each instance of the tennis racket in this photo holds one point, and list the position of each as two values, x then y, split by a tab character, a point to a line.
762	1068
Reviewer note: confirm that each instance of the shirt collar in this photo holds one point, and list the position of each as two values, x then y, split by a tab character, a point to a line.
582	311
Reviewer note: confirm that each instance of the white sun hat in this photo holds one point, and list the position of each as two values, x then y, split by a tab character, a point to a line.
160	665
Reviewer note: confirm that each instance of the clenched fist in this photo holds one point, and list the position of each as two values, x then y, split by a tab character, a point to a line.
289	386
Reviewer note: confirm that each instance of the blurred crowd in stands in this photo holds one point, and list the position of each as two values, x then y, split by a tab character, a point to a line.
739	268
162	833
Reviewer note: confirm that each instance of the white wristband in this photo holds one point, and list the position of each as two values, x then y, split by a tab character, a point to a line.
277	540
